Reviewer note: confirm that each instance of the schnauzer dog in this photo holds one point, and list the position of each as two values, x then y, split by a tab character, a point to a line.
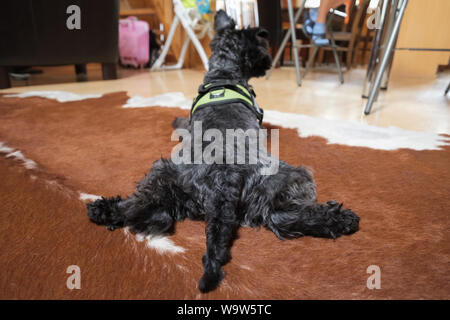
226	196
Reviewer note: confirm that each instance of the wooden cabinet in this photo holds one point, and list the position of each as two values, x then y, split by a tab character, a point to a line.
426	24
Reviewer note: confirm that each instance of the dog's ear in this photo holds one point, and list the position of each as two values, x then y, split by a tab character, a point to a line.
222	21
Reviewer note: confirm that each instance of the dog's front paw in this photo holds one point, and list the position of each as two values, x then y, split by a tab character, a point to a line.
105	212
344	221
350	221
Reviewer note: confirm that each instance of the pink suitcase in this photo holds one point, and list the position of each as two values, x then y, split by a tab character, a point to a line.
133	42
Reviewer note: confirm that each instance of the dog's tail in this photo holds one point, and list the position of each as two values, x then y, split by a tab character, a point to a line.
324	220
180	123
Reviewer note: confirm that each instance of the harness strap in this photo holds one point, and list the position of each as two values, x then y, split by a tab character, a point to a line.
226	91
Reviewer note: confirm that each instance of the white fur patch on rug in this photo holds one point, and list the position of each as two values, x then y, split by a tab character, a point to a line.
60	96
162	244
169	99
16	154
357	134
336	132
88	197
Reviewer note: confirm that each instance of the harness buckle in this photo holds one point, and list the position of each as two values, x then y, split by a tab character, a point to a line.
217	94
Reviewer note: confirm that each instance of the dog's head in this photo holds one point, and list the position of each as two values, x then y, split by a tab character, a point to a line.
248	45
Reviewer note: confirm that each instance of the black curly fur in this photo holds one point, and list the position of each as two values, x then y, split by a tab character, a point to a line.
106	212
226	196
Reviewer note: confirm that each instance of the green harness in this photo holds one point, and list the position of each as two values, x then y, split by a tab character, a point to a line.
221	92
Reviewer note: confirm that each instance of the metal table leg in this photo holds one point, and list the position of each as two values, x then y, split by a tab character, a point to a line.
294	42
376	45
385	57
391	22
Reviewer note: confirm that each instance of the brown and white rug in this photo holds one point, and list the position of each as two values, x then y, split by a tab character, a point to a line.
58	150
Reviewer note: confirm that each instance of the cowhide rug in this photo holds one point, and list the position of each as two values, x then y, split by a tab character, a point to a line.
59	150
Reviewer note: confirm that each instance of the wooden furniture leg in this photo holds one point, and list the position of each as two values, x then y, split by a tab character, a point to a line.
4	78
109	71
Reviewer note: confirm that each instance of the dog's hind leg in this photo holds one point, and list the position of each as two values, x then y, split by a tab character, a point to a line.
152	209
288	207
325	220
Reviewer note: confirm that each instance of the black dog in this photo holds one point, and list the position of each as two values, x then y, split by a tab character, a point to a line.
227	195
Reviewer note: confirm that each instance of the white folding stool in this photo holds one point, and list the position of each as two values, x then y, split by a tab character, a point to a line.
196	29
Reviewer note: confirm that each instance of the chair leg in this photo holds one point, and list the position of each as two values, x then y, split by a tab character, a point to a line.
180	62
304	54
160	61
191	34
355	48
349	57
364	49
109	71
310	61
294	41
448	89
81	72
336	56
286	37
320	57
338	64
4	78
